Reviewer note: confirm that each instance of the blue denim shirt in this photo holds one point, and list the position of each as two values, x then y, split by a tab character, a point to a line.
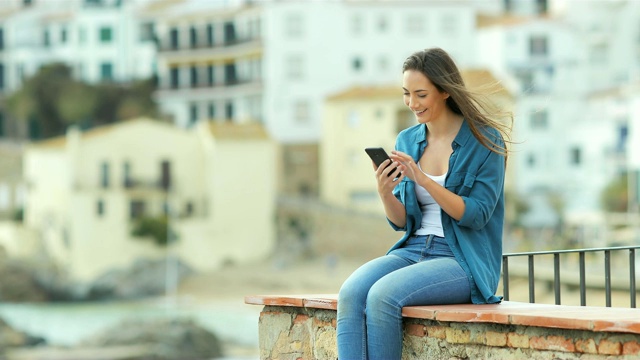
477	175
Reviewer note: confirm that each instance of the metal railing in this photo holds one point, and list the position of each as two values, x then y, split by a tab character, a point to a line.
582	270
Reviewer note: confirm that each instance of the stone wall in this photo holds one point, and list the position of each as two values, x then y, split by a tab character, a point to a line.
290	333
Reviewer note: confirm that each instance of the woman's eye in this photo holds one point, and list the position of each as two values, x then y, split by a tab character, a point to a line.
422	96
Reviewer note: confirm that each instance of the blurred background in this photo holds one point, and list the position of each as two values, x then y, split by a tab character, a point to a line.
162	159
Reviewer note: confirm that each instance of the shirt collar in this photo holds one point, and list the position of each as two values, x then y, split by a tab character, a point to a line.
461	138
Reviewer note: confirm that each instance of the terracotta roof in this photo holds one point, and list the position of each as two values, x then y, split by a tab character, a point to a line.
230	131
61	141
476	79
483	80
359	92
484	20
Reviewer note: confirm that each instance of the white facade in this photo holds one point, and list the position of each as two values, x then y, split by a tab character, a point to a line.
292	55
99	42
566	131
88	190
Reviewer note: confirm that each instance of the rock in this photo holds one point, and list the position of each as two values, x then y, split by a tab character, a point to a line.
167	339
10	337
17	283
144	278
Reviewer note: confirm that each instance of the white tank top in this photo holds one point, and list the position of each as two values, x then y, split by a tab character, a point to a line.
431	217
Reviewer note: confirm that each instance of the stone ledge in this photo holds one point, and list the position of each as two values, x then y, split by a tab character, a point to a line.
592	318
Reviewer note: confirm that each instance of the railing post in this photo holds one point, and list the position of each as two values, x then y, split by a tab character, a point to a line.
505	277
583	286
556	277
607	277
632	276
532	283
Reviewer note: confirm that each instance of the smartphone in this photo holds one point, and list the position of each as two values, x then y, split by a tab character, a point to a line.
378	155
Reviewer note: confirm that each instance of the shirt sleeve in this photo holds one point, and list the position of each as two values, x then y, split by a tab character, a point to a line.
485	192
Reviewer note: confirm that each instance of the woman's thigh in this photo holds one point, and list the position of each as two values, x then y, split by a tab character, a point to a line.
431	282
357	285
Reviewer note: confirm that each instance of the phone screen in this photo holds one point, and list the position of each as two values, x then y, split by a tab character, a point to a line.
378	155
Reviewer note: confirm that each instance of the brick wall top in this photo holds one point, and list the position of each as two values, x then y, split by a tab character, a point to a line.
593	318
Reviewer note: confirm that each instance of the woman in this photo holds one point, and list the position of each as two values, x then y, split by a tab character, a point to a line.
449	201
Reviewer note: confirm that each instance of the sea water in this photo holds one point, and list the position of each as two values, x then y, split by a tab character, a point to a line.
66	324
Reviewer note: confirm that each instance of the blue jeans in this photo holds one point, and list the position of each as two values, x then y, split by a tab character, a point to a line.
423	271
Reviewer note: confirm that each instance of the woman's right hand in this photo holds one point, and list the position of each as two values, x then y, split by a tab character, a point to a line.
386	183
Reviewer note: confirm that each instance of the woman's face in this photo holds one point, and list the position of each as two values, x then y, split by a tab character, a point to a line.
422	97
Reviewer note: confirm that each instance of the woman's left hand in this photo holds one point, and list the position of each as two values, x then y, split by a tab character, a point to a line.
409	167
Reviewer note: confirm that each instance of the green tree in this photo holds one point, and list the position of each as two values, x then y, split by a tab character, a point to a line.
51	100
156	228
614	197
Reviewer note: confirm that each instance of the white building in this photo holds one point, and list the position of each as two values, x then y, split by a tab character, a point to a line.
99	40
88	191
275	62
566	130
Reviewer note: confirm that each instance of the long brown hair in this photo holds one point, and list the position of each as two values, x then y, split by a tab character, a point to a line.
476	108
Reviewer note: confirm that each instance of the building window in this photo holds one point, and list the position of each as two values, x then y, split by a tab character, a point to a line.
193	114
230	75
353	119
174	78
1	38
46	40
127	182
147	32
82	35
416	24
106	34
193	37
357	24
165	174
383	63
1	76
136	209
212	110
383	24
295	67
193	71
356	64
538	46
229	33
228	111
63	35
531	161
210	35
540	120
294	26
100	208
174	38
576	156
106	71
211	79
104	174
188	209
599	54
449	24
301	112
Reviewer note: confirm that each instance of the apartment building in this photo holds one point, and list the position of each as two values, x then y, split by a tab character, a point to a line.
89	190
361	117
275	62
101	41
566	136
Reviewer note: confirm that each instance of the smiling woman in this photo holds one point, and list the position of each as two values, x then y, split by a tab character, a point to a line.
448	201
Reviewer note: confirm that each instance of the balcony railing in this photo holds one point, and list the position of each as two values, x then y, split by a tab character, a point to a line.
582	271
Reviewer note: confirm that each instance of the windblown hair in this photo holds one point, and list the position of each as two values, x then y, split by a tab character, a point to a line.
476	108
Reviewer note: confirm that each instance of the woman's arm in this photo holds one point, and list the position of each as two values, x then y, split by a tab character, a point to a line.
393	208
451	203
